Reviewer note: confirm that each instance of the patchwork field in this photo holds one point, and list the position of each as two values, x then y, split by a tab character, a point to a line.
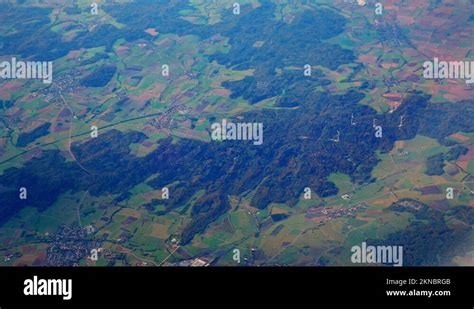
152	187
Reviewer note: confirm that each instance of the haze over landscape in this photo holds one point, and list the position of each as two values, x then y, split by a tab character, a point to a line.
235	133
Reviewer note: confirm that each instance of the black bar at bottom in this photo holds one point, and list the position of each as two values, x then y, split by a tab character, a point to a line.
242	285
